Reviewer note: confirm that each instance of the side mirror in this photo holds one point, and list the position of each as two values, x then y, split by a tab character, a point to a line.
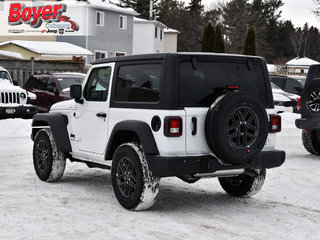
53	89
15	82
76	93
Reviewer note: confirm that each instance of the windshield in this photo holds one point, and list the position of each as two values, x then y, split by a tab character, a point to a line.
4	75
66	82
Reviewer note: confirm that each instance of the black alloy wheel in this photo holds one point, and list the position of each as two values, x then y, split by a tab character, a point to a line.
243	127
126	176
42	156
313	101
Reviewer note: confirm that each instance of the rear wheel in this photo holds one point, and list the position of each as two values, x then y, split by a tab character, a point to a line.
310	140
133	184
244	185
49	163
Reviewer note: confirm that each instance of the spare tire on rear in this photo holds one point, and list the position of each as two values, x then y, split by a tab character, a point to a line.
310	99
236	127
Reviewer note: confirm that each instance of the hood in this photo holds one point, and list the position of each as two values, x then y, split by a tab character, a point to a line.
7	86
280	97
64	105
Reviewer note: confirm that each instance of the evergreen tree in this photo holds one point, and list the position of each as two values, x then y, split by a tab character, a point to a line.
218	41
140	6
208	39
250	43
195	6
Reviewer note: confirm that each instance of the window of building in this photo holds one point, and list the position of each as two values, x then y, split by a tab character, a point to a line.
155	32
97	86
161	32
100	54
118	54
139	83
100	18
123	22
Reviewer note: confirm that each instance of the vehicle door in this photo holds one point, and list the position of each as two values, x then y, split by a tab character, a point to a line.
91	118
40	89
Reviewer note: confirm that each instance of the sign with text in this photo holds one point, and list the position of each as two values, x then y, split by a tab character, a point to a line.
43	18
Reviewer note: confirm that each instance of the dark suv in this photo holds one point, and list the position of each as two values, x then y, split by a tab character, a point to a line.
51	88
310	111
291	84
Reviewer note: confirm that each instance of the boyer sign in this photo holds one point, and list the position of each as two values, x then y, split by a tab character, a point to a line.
53	16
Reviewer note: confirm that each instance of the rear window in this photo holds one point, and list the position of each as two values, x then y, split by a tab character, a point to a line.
199	82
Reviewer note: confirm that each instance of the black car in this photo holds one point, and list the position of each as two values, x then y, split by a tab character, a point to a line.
291	84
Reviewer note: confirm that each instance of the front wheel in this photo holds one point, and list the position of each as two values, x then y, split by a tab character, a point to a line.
133	184
48	162
244	185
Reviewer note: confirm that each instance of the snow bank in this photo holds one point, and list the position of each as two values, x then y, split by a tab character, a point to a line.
15	128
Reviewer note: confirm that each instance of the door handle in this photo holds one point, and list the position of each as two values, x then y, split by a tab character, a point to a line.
194	122
101	115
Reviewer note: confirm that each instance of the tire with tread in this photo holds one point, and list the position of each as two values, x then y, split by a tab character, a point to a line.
48	162
310	140
133	184
244	185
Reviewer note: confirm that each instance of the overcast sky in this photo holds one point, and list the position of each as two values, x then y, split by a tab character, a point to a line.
298	11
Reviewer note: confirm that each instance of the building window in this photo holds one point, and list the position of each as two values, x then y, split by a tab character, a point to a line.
100	54
156	32
100	18
161	34
118	54
123	22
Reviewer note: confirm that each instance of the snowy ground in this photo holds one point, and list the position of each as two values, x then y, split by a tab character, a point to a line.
82	205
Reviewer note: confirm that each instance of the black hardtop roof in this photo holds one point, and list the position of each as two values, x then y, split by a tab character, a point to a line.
153	56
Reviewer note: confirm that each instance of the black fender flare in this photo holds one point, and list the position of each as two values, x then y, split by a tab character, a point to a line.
58	125
143	132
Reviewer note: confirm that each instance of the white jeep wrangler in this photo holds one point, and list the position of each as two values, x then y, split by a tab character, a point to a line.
13	99
189	115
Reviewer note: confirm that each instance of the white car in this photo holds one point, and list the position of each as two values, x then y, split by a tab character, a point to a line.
13	99
284	101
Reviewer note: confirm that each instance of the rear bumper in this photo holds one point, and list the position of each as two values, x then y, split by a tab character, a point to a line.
18	112
177	166
308	123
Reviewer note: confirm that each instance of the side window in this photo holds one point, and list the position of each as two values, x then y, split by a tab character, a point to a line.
97	86
42	84
139	83
30	82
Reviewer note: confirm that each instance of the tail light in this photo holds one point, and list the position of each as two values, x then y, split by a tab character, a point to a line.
298	103
275	123
173	126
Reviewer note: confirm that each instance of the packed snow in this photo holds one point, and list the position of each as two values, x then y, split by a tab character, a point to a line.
82	205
